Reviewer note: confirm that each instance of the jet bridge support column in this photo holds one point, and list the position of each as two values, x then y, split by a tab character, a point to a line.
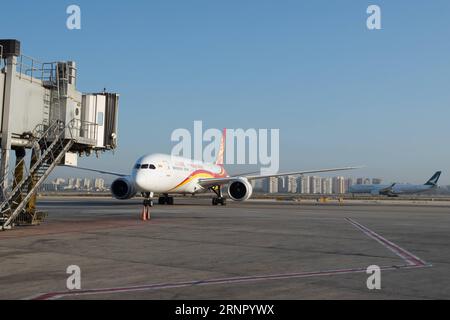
10	79
31	205
20	168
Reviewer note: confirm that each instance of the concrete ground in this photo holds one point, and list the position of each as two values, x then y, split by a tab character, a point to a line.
252	250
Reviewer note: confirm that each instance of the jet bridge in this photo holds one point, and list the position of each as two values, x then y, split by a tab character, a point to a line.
43	114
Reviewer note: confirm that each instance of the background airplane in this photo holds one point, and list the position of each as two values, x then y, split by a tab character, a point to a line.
395	189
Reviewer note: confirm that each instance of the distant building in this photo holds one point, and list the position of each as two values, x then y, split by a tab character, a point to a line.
338	185
99	184
257	185
59	181
77	183
315	185
292	184
348	184
48	187
71	184
327	185
376	181
283	185
87	184
265	185
270	185
303	185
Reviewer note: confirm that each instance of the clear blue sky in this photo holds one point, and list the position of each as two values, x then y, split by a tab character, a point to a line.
339	93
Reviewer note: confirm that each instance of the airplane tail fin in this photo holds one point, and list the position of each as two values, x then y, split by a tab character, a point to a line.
221	153
434	179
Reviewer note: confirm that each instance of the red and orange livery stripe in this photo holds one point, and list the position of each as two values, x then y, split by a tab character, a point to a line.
198	174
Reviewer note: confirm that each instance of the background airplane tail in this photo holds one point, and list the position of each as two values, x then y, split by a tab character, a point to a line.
221	153
434	179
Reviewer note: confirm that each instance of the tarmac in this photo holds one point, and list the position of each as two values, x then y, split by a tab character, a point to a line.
259	249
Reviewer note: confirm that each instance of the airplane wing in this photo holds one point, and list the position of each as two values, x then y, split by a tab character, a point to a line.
210	182
388	189
97	171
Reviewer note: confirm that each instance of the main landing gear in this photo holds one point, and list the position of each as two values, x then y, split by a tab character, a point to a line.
166	200
148	203
219	199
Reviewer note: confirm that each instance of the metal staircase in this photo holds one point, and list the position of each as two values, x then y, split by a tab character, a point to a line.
50	144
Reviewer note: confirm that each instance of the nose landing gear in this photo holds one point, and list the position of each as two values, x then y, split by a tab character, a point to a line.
148	203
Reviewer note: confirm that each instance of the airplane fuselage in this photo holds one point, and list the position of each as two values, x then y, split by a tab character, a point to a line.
161	173
398	189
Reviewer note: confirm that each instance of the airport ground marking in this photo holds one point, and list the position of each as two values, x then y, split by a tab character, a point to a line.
412	262
407	256
154	287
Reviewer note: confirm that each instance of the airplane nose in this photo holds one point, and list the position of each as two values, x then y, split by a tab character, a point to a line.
140	180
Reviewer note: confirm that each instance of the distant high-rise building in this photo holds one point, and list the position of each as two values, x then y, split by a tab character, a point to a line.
348	184
303	185
99	184
78	183
283	184
59	181
257	185
48	187
360	181
338	185
292	184
376	181
270	185
87	184
341	182
265	185
367	181
315	185
327	186
71	183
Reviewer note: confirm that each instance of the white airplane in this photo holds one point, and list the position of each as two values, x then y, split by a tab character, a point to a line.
168	175
397	189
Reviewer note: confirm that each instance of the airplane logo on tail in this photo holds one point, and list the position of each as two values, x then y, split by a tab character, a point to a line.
434	179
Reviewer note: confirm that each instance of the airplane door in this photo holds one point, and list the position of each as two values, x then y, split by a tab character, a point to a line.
167	169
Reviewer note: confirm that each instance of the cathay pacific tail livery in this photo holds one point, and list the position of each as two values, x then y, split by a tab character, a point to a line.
395	189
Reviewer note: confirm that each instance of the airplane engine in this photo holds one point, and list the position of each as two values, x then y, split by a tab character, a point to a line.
123	188
240	190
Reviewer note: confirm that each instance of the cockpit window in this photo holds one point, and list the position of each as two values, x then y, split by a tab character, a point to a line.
145	166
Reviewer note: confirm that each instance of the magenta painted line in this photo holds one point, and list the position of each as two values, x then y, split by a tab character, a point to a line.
412	262
407	256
